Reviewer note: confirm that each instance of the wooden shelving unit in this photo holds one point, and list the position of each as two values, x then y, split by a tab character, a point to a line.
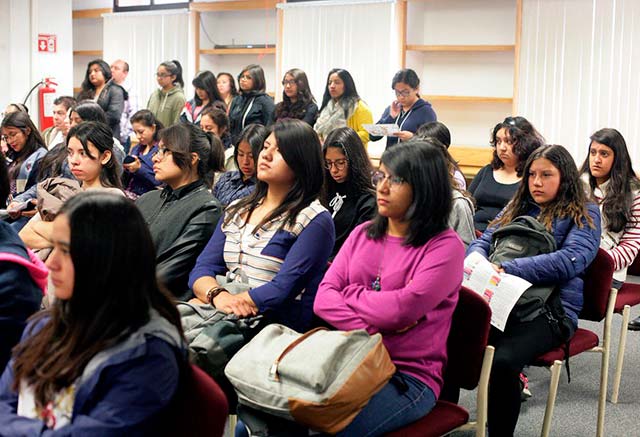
90	13
240	51
469	99
97	53
81	55
459	48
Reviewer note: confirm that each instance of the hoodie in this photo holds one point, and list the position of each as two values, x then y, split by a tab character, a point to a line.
167	106
420	113
23	279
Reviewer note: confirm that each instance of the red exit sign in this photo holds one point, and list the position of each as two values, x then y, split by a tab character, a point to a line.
47	43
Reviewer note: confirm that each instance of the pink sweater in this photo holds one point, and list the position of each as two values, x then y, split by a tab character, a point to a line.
417	285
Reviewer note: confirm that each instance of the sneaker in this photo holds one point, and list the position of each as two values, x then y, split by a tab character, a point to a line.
524	383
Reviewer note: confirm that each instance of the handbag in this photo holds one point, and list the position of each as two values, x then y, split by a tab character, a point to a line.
321	379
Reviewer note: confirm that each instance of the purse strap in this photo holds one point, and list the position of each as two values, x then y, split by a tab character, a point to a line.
273	372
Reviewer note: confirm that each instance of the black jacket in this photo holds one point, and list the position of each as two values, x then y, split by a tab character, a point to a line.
259	108
111	100
181	223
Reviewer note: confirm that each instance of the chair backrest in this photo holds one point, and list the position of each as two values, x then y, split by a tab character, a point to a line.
467	340
634	268
597	287
199	408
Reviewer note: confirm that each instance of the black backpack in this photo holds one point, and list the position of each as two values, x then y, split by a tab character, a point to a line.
524	237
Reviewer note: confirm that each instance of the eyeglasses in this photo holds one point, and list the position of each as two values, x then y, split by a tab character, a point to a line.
11	136
339	163
288	82
246	77
163	75
162	152
378	177
403	93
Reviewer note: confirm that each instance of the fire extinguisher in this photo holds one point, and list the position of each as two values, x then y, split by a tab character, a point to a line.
46	96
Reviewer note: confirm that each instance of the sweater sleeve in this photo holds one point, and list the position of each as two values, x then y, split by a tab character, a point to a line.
115	105
361	115
385	119
146	167
307	255
268	110
211	260
629	245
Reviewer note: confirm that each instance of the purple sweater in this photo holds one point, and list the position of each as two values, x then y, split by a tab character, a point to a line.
418	284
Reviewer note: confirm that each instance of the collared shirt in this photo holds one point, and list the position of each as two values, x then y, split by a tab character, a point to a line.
231	186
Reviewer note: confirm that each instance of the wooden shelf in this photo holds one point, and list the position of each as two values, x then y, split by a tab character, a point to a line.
87	53
468	99
90	13
242	51
76	90
471	159
236	5
460	48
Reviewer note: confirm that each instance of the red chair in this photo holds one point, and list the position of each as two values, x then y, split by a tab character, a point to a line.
628	296
200	407
468	366
599	300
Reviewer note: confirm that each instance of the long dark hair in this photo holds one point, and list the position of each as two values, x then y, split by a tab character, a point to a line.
616	206
300	148
232	83
146	118
115	288
175	69
570	201
359	165
206	80
350	96
21	120
524	138
440	132
5	187
422	165
183	139
100	135
257	75
88	110
88	89
288	109
254	135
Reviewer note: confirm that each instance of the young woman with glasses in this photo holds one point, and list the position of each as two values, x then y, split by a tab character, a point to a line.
348	193
183	215
166	103
399	275
297	100
408	111
253	105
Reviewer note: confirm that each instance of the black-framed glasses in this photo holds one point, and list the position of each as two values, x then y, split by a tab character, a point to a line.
162	152
378	177
403	93
340	164
163	75
288	82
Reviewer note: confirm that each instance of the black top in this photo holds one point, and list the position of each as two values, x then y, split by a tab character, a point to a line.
348	211
491	196
247	108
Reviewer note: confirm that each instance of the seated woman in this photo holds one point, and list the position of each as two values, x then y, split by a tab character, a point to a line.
91	160
139	177
106	357
342	106
183	215
408	111
206	96
88	110
400	275
348	192
513	141
280	236
440	132
216	121
297	100
236	184
552	193
614	185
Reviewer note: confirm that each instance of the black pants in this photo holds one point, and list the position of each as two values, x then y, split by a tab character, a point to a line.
516	347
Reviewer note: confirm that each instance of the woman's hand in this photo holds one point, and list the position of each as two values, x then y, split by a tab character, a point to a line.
394	109
497	268
133	166
404	135
240	304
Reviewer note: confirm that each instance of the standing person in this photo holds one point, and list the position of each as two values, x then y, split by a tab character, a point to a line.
512	140
236	184
167	102
227	88
99	87
280	236
348	192
139	174
342	106
184	214
106	358
408	111
297	100
552	192
400	275
56	134
612	182
206	96
120	75
253	105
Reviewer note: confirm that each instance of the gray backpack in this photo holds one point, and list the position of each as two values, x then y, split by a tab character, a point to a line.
524	237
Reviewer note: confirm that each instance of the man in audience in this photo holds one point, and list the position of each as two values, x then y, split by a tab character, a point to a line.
56	133
23	278
120	75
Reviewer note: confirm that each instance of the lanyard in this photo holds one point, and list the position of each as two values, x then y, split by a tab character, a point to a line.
403	120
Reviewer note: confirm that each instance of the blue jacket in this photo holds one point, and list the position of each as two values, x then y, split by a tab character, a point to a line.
419	114
577	248
143	180
122	391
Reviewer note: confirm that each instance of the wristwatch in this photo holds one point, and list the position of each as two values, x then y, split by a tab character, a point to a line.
213	292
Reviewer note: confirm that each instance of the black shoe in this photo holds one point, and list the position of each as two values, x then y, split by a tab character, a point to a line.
634	325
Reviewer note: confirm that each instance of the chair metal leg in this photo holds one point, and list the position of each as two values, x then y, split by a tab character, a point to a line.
626	312
556	368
